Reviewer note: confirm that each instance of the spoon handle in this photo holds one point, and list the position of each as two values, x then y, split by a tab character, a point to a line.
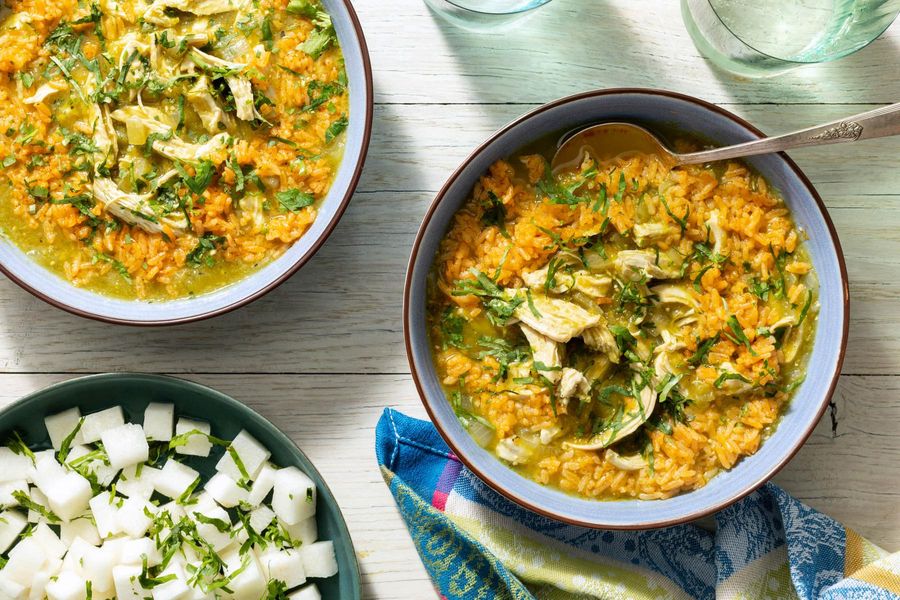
881	122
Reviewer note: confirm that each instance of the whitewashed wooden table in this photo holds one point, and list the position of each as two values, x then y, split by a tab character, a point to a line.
323	355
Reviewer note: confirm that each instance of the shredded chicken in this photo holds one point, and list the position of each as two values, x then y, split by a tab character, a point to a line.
637	413
134	208
573	383
240	86
211	114
557	319
601	338
156	13
46	91
715	228
544	351
635	263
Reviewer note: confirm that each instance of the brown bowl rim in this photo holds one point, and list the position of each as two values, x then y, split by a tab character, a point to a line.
745	491
300	262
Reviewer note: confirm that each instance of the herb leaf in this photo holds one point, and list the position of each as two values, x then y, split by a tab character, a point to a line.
294	200
206	246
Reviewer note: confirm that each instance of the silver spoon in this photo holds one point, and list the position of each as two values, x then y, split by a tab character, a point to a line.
608	140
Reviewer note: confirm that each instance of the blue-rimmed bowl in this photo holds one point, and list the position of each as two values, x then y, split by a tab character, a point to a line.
226	416
23	270
659	111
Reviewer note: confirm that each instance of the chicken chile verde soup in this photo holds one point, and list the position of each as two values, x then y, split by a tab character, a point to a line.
164	149
622	330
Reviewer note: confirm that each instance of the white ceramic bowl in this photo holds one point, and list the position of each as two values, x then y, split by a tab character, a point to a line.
655	110
55	290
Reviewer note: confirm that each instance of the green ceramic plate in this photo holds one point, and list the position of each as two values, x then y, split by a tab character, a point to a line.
227	417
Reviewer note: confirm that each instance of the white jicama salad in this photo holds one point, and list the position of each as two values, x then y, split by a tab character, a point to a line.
113	511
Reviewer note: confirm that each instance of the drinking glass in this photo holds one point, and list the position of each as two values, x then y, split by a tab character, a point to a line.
765	37
480	15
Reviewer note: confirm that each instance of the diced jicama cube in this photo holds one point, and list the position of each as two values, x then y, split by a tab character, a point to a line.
80	527
174	479
250	453
305	531
40	580
213	525
136	481
6	492
68	585
260	517
202	501
126	579
12	522
262	485
174	589
24	559
196	445
61	425
86	458
293	495
53	547
246	581
132	552
308	592
97	565
96	423
68	496
105	512
284	565
12	590
133	518
225	490
78	549
37	497
159	421
318	559
176	511
15	467
125	445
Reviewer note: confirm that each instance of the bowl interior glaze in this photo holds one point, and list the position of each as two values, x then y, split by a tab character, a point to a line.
659	112
54	289
226	416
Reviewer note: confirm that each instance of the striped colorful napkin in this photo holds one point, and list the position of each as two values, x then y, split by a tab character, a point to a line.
477	545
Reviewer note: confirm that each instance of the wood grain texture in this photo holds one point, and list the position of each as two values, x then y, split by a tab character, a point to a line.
323	355
570	46
332	419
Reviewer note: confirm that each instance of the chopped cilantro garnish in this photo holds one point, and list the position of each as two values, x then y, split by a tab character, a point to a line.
805	310
737	334
452	325
204	250
294	200
727	376
27	503
703	348
336	129
682	221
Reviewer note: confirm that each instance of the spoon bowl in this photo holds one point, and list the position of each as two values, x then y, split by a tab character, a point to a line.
609	140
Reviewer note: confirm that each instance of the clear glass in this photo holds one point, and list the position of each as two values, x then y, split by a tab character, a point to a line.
481	15
765	37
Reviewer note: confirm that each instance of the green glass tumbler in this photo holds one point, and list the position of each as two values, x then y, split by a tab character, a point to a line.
756	38
484	15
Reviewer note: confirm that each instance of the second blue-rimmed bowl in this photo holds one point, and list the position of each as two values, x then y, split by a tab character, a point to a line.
26	272
658	111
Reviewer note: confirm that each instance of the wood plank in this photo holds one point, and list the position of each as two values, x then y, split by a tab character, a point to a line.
341	314
333	418
568	47
417	147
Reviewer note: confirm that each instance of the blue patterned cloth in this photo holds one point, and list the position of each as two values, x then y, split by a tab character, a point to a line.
476	544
